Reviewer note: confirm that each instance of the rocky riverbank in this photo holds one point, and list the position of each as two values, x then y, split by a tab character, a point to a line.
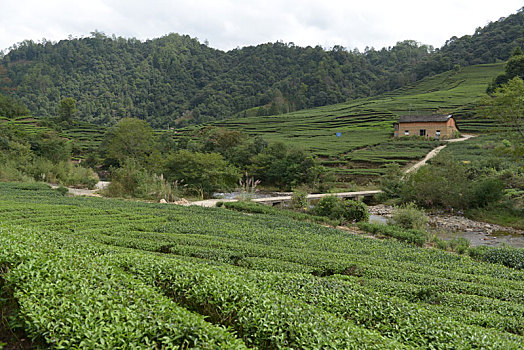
452	223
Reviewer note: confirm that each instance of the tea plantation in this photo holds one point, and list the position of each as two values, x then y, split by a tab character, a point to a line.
110	274
365	143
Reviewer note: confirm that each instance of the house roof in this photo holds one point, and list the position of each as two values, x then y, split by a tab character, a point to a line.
424	118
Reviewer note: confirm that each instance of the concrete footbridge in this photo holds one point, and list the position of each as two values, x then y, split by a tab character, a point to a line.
359	195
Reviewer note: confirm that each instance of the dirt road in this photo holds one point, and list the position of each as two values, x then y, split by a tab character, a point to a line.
434	152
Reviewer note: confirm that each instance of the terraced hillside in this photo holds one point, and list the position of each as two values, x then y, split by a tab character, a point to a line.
366	125
95	273
84	136
365	144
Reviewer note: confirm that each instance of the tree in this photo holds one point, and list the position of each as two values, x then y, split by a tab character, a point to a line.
5	81
507	105
11	108
67	109
51	146
514	68
129	138
205	173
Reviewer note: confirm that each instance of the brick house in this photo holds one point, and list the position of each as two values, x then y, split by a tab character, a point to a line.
434	126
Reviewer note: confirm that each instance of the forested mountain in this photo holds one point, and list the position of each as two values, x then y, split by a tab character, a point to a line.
176	80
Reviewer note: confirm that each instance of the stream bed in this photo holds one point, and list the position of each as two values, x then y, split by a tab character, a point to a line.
448	228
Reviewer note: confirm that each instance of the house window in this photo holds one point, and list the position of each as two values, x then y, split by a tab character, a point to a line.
422	132
406	133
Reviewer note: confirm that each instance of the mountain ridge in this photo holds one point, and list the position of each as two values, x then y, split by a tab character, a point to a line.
176	80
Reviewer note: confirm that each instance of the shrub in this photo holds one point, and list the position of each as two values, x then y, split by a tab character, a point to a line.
155	187
505	255
299	199
355	211
62	190
65	172
407	235
80	176
204	173
391	182
459	245
133	181
255	208
343	210
409	217
486	191
329	207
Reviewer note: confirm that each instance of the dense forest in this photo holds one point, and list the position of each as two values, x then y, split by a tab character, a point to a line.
175	80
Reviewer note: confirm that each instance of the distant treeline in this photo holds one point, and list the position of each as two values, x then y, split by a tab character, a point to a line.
175	80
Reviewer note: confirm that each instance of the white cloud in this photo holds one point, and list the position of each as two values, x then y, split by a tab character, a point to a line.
235	23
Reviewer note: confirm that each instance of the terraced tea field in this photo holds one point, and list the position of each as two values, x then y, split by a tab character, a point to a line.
84	136
105	274
366	125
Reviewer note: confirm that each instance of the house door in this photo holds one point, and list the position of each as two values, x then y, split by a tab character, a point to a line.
422	132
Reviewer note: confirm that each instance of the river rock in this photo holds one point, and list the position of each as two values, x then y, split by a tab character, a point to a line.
446	222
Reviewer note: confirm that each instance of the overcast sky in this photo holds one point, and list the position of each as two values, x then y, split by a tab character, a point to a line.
228	24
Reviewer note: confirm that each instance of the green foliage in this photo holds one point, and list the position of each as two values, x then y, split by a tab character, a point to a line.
151	273
409	216
507	105
65	173
416	237
50	146
204	173
130	138
514	68
67	109
355	211
131	180
286	167
459	245
391	182
255	208
9	107
192	83
330	207
62	190
344	210
505	255
299	199
444	183
486	192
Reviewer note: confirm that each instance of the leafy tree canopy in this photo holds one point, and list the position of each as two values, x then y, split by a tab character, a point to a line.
507	104
175	81
10	108
67	109
205	173
129	138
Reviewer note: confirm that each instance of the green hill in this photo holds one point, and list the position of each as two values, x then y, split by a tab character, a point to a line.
84	137
366	125
176	81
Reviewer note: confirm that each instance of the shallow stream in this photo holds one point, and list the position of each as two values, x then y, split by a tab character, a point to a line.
475	238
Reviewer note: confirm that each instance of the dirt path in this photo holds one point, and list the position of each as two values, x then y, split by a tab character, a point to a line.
85	192
433	153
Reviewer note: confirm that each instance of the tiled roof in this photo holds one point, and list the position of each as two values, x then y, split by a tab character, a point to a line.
424	118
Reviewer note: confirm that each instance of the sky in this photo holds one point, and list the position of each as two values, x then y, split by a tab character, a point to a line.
228	24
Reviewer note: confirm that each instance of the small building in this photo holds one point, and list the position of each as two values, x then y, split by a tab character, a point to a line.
434	126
